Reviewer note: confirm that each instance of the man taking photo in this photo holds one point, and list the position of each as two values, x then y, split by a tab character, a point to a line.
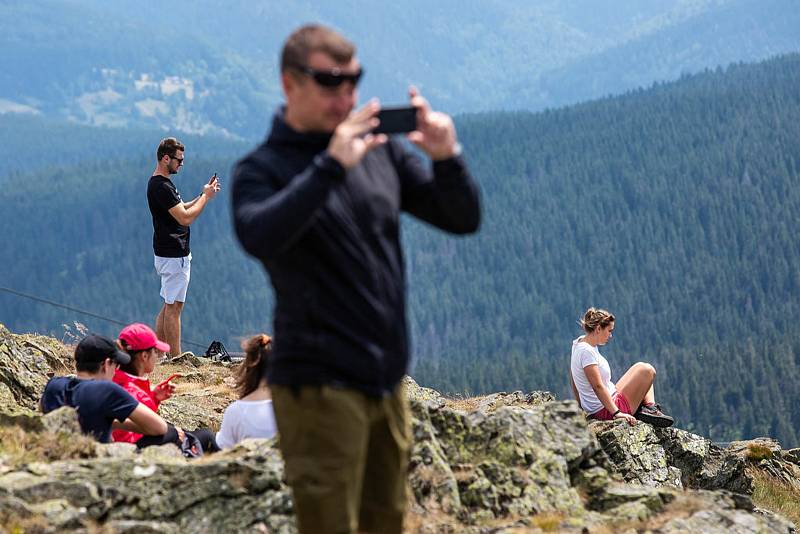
171	219
319	204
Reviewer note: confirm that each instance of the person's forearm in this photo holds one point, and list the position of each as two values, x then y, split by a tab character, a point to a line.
192	202
127	425
196	208
605	397
459	196
451	201
145	421
267	221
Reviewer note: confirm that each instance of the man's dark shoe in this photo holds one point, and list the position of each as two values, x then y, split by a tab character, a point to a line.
653	415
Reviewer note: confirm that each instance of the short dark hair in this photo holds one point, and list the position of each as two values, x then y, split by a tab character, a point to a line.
315	38
88	367
168	147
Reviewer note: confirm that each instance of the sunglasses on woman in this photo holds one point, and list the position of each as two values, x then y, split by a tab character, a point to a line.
331	78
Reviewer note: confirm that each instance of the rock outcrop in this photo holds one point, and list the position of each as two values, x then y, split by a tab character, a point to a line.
501	463
26	363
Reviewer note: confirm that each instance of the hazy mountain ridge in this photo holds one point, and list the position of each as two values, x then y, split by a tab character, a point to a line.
203	69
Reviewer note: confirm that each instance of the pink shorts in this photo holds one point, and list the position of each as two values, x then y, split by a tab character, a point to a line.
621	403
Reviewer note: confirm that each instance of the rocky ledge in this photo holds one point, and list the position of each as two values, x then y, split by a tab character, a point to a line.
501	463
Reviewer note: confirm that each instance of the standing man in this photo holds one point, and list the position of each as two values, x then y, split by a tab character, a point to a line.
171	219
319	203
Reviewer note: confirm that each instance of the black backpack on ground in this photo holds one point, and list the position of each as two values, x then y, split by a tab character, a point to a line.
216	351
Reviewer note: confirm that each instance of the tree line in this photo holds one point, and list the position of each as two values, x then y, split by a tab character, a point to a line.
674	207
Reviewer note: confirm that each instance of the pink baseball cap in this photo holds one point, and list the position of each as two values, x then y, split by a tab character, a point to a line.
138	336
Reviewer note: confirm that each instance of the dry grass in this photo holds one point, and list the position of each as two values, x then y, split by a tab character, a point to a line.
757	452
210	386
683	506
463	404
776	496
548	521
430	521
20	447
15	524
212	374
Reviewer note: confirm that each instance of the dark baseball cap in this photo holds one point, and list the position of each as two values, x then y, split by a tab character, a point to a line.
95	348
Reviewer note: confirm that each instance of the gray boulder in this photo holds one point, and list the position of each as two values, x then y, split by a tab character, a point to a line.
636	453
26	362
501	463
236	491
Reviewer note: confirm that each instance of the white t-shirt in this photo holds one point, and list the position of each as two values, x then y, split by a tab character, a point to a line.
246	419
584	354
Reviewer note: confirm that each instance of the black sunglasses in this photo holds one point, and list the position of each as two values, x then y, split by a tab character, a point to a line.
331	78
179	160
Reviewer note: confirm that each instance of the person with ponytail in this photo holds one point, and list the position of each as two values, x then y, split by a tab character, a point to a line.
631	398
251	416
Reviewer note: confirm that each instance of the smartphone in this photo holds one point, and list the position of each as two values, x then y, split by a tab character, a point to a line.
397	120
171	377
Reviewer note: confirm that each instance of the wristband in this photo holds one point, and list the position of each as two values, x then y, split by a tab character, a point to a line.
613	415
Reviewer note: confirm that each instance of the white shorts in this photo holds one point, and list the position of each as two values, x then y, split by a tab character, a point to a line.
174	273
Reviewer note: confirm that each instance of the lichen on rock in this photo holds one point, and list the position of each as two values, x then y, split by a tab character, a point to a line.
506	462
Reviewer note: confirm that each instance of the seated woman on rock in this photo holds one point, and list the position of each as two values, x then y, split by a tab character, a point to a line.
144	350
102	405
590	376
251	416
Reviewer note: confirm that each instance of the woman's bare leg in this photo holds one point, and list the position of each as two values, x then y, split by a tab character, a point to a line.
637	384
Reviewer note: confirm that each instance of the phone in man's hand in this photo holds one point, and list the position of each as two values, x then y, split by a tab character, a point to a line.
396	120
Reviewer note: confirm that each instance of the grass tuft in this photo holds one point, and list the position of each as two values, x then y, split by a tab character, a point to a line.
776	496
756	452
548	521
16	524
19	447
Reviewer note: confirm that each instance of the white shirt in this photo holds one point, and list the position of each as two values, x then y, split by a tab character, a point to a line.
584	354
246	419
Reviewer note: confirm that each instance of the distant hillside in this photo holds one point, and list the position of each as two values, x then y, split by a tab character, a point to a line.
674	207
33	143
210	68
677	43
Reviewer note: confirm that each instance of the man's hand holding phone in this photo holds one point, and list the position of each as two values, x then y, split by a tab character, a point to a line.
435	133
164	390
212	187
352	138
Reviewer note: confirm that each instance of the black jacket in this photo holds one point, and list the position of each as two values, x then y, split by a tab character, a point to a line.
329	239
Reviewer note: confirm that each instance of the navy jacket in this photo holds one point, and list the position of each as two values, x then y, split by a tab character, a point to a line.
330	240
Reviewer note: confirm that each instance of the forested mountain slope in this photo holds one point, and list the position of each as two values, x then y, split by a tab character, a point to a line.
674	207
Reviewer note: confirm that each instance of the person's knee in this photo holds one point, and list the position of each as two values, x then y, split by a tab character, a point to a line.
173	309
646	368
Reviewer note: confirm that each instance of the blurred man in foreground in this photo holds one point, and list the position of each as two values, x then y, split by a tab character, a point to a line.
319	205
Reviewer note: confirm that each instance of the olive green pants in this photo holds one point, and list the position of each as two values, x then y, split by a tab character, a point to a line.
346	457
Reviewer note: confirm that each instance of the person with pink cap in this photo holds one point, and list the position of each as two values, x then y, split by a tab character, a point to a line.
145	350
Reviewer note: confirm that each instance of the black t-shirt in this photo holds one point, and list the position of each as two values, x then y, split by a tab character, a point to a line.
99	403
170	238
